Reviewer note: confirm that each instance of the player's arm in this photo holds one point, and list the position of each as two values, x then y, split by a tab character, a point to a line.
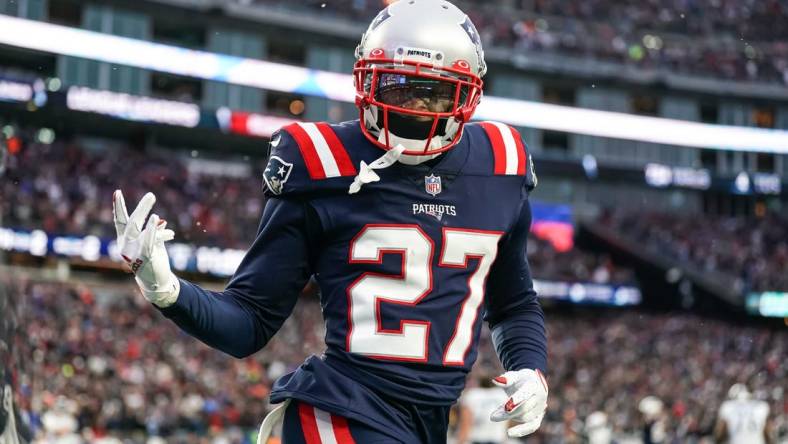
768	436
512	310
720	430
517	324
465	423
261	295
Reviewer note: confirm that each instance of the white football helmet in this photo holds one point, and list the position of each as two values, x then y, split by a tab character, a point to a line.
418	76
739	392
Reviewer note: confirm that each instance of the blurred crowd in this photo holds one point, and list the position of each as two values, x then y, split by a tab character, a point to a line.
94	363
743	40
751	251
66	188
575	265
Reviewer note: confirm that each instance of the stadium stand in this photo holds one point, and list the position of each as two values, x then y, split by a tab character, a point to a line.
753	251
736	40
94	364
66	188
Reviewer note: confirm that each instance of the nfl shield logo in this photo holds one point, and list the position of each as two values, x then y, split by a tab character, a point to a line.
432	184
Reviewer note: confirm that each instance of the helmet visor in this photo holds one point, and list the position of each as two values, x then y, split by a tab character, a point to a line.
419	93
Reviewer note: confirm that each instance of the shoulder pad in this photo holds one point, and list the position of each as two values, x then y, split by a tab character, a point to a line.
510	152
303	154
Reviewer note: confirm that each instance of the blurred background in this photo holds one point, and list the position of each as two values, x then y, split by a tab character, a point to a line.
659	130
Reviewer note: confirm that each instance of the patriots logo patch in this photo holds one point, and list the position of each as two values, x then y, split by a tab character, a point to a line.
276	174
470	29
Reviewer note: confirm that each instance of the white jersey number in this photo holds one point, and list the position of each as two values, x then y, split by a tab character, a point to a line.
409	343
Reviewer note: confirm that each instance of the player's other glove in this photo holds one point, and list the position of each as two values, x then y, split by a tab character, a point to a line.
144	251
527	390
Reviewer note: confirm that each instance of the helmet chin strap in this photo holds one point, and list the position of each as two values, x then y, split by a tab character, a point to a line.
371	114
367	174
411	144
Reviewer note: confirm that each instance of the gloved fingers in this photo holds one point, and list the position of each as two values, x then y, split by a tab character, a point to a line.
525	428
506	380
529	406
149	236
524	398
163	235
119	213
499	415
137	218
534	413
514	406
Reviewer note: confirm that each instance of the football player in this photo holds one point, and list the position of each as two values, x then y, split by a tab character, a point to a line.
413	223
476	403
742	419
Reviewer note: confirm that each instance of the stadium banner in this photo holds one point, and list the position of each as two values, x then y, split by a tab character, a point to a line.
553	223
588	293
184	257
663	176
134	108
334	86
144	109
250	124
773	304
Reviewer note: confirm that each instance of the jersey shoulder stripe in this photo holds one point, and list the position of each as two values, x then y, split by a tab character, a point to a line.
323	152
509	152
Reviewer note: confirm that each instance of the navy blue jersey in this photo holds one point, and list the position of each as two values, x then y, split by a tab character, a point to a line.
408	268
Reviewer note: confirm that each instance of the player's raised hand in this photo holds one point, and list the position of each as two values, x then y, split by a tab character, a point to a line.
527	390
144	250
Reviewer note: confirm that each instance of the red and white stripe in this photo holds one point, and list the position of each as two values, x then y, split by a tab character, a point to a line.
321	427
508	148
324	154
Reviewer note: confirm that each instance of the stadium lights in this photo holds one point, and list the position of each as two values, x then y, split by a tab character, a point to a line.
279	77
15	91
769	304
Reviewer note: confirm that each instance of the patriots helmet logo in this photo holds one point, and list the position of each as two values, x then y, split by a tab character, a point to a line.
381	17
432	185
276	174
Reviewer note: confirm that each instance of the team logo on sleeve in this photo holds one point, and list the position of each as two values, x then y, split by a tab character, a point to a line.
276	174
432	184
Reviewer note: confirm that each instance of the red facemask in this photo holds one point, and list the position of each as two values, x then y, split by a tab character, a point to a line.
415	101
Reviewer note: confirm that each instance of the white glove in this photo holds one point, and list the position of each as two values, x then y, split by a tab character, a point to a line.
527	391
144	250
